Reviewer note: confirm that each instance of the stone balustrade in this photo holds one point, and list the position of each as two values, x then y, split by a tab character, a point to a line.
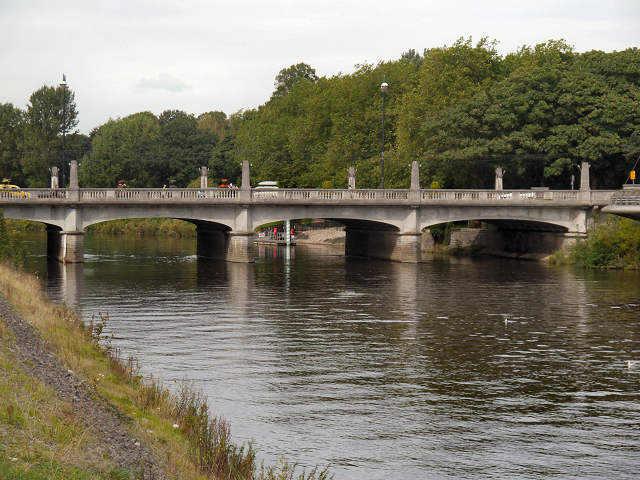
315	196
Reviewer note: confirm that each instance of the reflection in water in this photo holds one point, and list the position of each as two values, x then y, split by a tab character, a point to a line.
68	280
452	368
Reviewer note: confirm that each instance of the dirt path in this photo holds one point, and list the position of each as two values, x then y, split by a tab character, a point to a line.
35	358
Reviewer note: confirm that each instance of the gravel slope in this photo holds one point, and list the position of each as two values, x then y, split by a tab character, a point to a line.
35	358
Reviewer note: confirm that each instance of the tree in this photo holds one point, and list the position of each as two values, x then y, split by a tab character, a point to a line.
125	149
545	113
446	76
632	149
42	129
287	78
215	122
10	167
183	146
226	157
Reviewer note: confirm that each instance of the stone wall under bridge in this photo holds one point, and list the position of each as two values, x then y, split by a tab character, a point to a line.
522	244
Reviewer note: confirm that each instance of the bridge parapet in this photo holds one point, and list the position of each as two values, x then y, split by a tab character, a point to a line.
157	194
328	195
311	196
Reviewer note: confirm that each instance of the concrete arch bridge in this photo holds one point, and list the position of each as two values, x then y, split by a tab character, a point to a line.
384	224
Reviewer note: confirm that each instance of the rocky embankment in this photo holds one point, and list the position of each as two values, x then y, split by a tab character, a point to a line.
101	420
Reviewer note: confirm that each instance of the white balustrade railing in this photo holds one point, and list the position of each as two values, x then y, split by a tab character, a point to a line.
301	195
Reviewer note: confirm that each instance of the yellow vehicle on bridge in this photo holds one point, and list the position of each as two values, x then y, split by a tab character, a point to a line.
8	190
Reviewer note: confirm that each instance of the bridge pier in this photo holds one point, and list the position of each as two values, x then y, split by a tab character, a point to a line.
225	245
384	245
241	248
65	246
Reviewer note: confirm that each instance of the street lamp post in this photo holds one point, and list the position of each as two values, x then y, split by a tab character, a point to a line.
64	123
384	88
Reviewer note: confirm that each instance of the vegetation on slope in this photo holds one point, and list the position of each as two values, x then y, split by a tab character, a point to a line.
612	243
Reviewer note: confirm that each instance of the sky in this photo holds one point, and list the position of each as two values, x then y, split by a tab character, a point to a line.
121	57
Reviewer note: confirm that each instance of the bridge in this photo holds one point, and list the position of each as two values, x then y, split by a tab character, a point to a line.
378	223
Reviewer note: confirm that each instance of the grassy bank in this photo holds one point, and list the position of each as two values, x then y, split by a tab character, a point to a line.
44	437
162	227
614	242
166	227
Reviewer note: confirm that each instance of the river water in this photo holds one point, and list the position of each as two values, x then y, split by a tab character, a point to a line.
453	368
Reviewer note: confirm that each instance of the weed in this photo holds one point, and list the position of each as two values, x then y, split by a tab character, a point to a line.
94	330
286	471
210	446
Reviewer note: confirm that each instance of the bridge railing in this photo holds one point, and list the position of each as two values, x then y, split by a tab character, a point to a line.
301	195
157	194
627	196
312	195
32	194
429	196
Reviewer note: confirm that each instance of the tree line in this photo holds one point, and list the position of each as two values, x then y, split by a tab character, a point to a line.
460	110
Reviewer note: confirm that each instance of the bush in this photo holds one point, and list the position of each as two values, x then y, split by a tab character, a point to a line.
612	243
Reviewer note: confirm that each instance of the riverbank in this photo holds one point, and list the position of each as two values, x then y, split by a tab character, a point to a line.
71	407
333	236
55	420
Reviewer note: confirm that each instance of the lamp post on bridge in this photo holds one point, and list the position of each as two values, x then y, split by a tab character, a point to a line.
384	88
64	123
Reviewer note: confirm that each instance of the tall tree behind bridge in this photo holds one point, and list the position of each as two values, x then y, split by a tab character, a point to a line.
146	151
461	111
10	167
42	127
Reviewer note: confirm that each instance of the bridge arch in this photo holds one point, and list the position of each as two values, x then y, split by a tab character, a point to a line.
548	220
351	217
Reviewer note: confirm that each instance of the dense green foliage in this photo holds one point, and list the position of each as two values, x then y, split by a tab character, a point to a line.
11	248
460	110
612	243
160	227
31	140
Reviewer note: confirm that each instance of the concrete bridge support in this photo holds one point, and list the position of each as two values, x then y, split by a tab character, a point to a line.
64	246
224	245
241	248
384	245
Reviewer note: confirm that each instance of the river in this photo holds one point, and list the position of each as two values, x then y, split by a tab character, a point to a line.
453	368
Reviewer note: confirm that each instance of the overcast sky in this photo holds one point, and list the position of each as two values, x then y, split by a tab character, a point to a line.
122	57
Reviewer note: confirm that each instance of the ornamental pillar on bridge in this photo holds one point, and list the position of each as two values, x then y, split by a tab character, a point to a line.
204	183
499	175
352	178
74	190
585	187
245	188
54	177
